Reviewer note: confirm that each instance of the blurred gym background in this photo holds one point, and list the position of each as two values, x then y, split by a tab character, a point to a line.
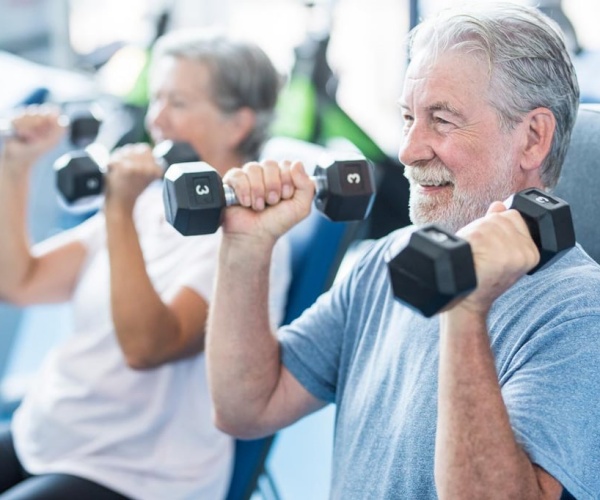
344	62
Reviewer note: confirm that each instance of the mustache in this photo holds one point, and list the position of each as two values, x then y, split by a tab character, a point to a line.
433	172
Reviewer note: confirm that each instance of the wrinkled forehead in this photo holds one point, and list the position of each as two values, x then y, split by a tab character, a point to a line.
450	82
454	63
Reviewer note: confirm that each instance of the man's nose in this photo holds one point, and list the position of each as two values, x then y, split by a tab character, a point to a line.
416	144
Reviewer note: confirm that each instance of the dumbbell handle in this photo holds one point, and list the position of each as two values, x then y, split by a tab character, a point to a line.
160	161
231	199
101	155
7	130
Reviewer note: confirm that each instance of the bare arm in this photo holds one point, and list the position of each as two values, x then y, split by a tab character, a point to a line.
150	331
50	275
253	393
477	455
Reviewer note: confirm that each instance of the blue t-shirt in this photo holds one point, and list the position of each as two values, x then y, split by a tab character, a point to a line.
377	360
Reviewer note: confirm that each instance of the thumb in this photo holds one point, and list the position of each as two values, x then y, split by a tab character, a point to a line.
496	207
302	182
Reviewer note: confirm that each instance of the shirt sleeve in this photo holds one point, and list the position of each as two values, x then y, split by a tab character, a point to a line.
311	345
314	347
197	262
91	233
552	395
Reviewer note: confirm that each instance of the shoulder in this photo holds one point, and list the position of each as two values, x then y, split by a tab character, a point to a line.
565	293
376	253
364	266
573	273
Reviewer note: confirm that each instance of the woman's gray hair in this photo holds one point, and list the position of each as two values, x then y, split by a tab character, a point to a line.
242	74
528	61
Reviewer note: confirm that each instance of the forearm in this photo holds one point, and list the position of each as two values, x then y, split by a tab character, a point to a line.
242	351
15	257
145	326
477	455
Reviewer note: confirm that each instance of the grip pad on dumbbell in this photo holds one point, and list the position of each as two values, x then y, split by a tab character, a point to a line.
89	180
349	189
191	189
549	221
433	269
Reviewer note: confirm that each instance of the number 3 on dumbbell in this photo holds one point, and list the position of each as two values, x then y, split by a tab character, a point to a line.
353	178
202	190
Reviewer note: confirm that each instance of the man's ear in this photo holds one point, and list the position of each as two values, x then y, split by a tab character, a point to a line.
241	123
540	125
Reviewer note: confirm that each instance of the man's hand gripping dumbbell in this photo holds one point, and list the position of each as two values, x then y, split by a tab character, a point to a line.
436	268
195	196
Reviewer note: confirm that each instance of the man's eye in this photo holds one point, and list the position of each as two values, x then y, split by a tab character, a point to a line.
440	120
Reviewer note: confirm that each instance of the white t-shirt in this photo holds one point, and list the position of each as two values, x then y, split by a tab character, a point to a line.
146	434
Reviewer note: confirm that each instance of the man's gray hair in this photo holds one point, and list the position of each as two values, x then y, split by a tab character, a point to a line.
242	75
528	62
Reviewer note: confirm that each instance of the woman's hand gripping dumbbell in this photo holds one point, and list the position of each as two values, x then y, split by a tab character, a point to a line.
80	174
82	127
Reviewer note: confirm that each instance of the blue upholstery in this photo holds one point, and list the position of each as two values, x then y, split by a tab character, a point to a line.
317	247
579	184
250	457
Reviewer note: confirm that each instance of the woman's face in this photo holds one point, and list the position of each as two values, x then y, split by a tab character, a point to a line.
181	109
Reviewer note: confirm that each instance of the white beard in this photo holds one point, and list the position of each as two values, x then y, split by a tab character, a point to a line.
463	207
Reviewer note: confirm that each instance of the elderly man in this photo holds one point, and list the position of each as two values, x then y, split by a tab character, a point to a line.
497	396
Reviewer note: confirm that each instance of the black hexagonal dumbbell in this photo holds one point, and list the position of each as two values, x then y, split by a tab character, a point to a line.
80	175
83	127
195	196
436	267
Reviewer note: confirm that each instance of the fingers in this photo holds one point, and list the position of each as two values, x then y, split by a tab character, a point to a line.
131	169
135	159
504	236
38	122
264	183
496	207
300	178
499	212
503	251
134	152
33	131
258	185
500	209
240	182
